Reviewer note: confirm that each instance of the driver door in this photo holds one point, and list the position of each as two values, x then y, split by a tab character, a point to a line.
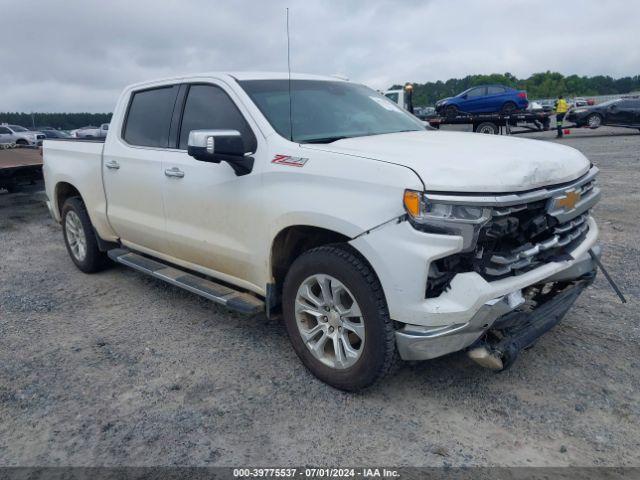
210	212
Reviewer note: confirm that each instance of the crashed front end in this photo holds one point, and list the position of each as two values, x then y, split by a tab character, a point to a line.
501	270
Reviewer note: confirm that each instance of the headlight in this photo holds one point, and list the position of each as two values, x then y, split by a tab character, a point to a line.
446	218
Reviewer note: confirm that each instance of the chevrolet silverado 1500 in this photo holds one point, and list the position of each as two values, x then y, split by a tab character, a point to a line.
324	201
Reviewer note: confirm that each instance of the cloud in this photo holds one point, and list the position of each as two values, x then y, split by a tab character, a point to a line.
77	55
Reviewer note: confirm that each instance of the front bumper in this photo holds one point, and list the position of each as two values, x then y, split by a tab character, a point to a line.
416	342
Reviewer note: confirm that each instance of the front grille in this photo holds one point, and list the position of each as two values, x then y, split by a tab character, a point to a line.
525	231
530	255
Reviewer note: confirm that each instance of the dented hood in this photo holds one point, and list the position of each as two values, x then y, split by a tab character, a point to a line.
470	162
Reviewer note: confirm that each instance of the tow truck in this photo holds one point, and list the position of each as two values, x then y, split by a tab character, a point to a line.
491	123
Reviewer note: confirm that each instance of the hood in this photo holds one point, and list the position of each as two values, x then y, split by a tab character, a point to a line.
442	100
470	162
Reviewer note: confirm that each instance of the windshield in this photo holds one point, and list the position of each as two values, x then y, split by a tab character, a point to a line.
18	128
325	111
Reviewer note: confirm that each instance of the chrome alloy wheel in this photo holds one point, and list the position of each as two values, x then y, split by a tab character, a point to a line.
75	236
330	321
594	121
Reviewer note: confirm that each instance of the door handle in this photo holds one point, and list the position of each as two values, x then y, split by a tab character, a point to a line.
112	164
174	172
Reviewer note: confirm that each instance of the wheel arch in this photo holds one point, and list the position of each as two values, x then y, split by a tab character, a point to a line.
63	191
294	240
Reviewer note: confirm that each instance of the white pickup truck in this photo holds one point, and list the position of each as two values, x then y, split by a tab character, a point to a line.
324	201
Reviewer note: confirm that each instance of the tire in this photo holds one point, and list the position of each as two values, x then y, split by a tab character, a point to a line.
376	353
21	142
488	127
75	226
450	111
508	108
593	121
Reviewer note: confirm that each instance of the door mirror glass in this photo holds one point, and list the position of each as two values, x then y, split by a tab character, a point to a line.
220	145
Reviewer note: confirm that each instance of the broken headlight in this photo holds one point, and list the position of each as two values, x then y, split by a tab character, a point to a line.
446	218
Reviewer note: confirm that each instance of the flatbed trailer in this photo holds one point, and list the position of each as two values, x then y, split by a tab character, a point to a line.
19	166
497	123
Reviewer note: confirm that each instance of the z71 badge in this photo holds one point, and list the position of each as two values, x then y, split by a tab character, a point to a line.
289	161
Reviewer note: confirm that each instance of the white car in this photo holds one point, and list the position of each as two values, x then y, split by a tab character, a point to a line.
373	237
20	136
92	132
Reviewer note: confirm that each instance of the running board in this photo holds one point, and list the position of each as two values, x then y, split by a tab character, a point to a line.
238	301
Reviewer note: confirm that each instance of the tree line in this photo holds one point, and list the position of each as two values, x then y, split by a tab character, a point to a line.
61	121
538	86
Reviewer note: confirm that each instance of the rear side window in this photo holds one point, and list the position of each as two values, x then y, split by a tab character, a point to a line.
4	130
209	108
149	117
495	90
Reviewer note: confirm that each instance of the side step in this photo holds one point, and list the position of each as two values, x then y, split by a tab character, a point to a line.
238	301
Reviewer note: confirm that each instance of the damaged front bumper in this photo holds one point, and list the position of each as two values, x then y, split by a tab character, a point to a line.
504	325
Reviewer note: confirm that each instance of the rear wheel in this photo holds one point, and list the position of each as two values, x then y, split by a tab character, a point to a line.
337	318
594	120
488	127
508	108
79	237
22	142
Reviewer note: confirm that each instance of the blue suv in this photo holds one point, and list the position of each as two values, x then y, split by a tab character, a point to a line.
484	99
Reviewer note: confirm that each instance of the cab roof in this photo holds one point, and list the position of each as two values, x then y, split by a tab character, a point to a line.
240	76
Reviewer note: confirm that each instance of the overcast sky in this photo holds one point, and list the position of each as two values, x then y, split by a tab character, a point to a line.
73	55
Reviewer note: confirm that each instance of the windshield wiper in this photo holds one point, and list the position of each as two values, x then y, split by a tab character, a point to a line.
325	139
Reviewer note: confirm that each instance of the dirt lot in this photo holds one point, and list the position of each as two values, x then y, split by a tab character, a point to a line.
119	369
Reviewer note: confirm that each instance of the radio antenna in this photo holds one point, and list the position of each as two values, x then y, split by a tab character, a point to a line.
289	70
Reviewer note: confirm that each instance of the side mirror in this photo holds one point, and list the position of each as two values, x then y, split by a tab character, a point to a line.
216	146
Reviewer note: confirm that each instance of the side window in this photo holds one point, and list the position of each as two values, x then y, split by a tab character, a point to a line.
476	92
495	90
209	108
4	130
149	117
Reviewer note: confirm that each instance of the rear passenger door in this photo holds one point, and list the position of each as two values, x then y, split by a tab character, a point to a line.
132	169
496	97
210	211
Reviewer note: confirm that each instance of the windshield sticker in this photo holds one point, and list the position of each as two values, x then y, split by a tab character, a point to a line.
289	161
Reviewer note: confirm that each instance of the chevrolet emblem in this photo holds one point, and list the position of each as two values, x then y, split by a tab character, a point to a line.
569	200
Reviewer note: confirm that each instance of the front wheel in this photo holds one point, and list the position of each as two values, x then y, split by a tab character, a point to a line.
451	111
594	120
337	319
79	237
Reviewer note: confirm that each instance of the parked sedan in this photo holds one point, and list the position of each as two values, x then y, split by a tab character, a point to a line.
622	112
51	133
484	99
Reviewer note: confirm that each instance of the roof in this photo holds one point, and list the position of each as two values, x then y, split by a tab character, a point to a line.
239	76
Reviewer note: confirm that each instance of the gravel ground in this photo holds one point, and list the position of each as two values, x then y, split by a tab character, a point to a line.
119	369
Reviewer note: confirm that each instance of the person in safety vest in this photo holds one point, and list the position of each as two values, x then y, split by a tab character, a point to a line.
561	111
